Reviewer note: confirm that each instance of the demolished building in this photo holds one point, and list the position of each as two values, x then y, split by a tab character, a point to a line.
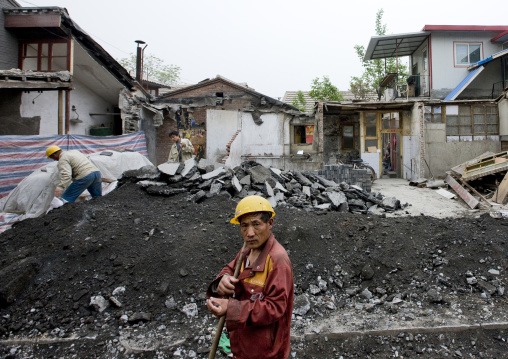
55	79
450	109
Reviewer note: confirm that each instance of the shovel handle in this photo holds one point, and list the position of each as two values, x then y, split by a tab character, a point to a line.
222	319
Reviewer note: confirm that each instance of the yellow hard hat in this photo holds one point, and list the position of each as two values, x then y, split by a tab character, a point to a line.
52	149
251	204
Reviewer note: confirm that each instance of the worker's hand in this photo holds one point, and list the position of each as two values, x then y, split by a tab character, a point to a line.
58	192
217	306
226	285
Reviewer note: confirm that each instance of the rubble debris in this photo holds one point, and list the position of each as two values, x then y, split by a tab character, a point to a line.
306	190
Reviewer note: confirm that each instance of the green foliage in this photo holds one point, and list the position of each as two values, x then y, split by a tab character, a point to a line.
299	102
359	87
154	69
324	90
375	70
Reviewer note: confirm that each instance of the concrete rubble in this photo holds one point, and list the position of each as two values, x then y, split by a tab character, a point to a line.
306	190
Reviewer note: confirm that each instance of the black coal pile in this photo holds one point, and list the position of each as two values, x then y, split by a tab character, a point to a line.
282	188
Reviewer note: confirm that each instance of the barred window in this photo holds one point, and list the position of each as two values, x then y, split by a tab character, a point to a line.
469	123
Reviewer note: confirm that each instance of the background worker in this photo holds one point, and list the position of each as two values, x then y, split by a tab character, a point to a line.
182	149
77	174
258	317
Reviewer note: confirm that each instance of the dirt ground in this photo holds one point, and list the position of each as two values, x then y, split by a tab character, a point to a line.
365	286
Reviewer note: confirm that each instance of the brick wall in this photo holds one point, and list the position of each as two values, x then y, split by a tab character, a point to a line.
234	100
8	43
346	173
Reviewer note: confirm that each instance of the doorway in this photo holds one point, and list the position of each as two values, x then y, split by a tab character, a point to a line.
390	136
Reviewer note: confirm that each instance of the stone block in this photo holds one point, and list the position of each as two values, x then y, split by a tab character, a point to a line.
169	168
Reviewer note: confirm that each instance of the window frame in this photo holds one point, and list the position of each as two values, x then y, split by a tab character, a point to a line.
347	124
470	132
468	43
49	57
304	137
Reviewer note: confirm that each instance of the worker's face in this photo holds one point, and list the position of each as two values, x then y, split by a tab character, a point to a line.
255	232
55	156
175	138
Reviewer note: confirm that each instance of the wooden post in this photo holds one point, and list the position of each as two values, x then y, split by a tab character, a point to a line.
67	111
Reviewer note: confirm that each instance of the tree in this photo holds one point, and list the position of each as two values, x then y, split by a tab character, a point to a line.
375	70
324	90
154	69
299	102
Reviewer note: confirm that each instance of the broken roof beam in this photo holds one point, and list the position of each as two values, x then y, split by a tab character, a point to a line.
461	191
486	166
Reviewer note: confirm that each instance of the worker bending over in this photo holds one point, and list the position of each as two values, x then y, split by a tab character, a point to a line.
258	304
77	174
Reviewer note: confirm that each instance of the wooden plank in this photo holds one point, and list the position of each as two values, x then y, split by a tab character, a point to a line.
476	192
34	85
502	190
39	20
461	191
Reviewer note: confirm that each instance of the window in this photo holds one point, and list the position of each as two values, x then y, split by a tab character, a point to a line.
469	123
467	53
49	55
348	137
370	130
434	114
304	134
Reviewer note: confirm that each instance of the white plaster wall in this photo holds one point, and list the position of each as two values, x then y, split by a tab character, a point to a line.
444	73
263	140
372	159
221	126
411	157
85	100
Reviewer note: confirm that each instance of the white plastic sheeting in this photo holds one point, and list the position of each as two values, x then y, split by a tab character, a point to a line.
34	195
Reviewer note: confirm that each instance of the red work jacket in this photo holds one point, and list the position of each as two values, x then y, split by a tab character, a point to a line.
259	315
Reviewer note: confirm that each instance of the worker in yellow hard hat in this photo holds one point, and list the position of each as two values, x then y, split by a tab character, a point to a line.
77	174
258	316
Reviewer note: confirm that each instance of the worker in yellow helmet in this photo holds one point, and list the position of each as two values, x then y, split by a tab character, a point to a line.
77	174
258	316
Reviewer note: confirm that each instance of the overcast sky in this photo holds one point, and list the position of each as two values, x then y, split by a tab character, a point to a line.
273	46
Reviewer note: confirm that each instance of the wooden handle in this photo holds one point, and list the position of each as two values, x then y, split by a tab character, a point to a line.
222	319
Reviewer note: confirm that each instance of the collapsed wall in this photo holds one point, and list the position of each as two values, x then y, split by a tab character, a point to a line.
282	188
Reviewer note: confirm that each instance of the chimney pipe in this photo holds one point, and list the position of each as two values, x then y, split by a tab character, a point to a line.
139	55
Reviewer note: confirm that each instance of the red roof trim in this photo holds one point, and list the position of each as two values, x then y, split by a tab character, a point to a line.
464	28
499	36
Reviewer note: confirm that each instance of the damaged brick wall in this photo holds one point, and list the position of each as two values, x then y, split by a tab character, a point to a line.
12	122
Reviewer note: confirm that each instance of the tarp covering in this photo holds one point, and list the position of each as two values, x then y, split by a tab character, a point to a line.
33	196
22	155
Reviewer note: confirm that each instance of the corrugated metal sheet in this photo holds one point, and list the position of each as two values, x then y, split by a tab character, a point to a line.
463	84
21	155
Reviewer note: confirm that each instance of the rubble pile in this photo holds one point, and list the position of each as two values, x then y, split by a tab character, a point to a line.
282	188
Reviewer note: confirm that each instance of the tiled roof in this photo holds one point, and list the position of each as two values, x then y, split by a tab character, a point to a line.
348	96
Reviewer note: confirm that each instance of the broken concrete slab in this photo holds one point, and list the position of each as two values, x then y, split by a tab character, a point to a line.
236	184
306	190
336	198
272	201
170	168
214	174
269	189
190	167
146	172
259	174
245	180
300	177
147	183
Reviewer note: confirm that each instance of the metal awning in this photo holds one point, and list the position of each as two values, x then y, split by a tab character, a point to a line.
387	46
464	83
